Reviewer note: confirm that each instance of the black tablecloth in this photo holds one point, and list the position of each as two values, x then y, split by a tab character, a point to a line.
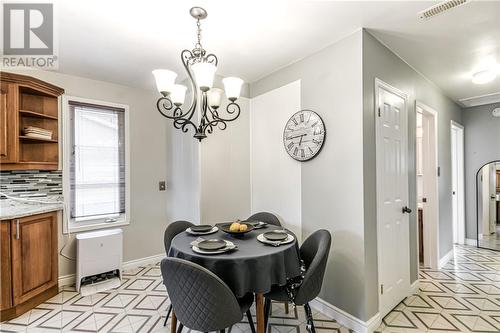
253	267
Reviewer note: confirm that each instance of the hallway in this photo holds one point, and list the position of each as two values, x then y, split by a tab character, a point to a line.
464	296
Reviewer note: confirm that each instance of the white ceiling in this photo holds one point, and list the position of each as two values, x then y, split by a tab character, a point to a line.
122	41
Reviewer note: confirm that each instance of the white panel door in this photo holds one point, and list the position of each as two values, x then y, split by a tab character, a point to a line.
392	196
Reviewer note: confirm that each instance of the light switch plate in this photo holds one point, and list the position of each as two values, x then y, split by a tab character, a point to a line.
162	185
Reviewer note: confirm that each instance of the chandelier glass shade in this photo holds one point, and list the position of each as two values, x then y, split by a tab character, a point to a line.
200	68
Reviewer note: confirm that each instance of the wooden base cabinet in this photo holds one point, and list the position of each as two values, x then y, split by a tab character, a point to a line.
29	263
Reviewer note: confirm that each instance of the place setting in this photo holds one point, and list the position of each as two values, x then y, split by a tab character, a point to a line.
202	229
212	246
276	237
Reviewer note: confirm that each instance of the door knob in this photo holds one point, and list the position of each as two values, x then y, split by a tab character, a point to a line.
406	210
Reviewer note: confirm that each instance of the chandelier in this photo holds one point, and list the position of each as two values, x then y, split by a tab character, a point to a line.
200	68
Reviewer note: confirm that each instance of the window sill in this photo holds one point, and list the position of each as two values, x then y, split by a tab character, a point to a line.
74	228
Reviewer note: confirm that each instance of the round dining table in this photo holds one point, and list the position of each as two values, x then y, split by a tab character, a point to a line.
253	267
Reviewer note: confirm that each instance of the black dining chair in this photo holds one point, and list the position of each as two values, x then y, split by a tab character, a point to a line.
172	230
202	301
314	252
269	218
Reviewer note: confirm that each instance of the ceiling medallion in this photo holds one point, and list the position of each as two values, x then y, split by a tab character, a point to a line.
200	68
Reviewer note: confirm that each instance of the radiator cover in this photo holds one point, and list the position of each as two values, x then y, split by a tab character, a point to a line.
98	252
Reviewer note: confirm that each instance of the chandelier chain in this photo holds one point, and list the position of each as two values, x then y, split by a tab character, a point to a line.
198	25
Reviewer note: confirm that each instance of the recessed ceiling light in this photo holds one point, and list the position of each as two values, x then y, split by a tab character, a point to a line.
483	77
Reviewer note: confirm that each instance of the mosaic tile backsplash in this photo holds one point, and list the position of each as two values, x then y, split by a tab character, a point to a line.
26	184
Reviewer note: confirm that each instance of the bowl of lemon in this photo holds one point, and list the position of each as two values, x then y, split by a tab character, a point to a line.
236	228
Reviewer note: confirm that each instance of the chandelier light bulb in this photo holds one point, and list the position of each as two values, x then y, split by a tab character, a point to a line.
165	80
215	97
483	77
178	94
204	73
232	85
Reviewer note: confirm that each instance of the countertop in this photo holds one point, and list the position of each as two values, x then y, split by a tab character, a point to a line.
13	209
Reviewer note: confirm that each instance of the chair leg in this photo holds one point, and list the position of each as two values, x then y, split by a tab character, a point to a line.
287	310
267	310
250	320
179	330
168	315
222	331
310	322
230	329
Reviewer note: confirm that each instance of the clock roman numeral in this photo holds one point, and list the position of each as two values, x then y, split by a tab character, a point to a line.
302	153
301	117
310	150
290	145
317	131
314	124
295	121
295	151
317	142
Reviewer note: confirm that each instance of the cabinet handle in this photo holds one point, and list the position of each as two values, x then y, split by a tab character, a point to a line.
17	229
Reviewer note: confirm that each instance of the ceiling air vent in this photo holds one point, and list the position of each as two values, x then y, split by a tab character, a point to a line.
440	8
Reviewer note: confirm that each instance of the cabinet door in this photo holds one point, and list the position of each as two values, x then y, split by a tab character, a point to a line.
8	123
34	255
5	273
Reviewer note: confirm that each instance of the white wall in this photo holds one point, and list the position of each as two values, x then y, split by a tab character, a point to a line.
275	176
225	170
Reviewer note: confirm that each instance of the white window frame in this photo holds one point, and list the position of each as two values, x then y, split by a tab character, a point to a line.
85	224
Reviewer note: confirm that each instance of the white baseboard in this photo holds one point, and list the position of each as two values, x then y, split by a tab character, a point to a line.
142	261
414	287
69	280
345	318
444	260
472	242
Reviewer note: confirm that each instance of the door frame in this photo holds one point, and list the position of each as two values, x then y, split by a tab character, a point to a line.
431	233
454	126
379	84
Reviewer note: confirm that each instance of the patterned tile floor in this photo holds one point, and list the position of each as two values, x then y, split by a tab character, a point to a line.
138	305
464	296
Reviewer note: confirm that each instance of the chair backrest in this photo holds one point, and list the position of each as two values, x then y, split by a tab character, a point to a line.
172	230
314	251
201	300
269	218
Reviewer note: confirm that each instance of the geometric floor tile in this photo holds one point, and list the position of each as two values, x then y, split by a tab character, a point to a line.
462	296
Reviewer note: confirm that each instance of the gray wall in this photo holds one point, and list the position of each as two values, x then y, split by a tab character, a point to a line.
380	62
482	145
148	163
332	183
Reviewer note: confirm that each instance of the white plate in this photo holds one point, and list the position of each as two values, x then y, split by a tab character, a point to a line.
288	240
229	246
214	230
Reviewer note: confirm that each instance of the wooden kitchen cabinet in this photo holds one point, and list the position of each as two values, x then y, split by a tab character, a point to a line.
31	245
8	123
27	101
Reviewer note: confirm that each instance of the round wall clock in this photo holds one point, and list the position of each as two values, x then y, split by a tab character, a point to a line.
304	135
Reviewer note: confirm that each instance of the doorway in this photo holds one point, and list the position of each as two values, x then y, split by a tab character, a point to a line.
457	182
393	243
427	186
488	205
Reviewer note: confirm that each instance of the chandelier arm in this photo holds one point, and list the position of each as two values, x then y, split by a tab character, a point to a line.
231	108
164	104
186	57
212	59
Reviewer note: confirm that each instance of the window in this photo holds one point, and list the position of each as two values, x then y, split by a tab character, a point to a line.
96	164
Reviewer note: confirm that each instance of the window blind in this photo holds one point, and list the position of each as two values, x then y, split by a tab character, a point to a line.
97	163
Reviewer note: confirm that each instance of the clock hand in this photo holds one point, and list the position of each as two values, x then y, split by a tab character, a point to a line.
300	142
297	136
